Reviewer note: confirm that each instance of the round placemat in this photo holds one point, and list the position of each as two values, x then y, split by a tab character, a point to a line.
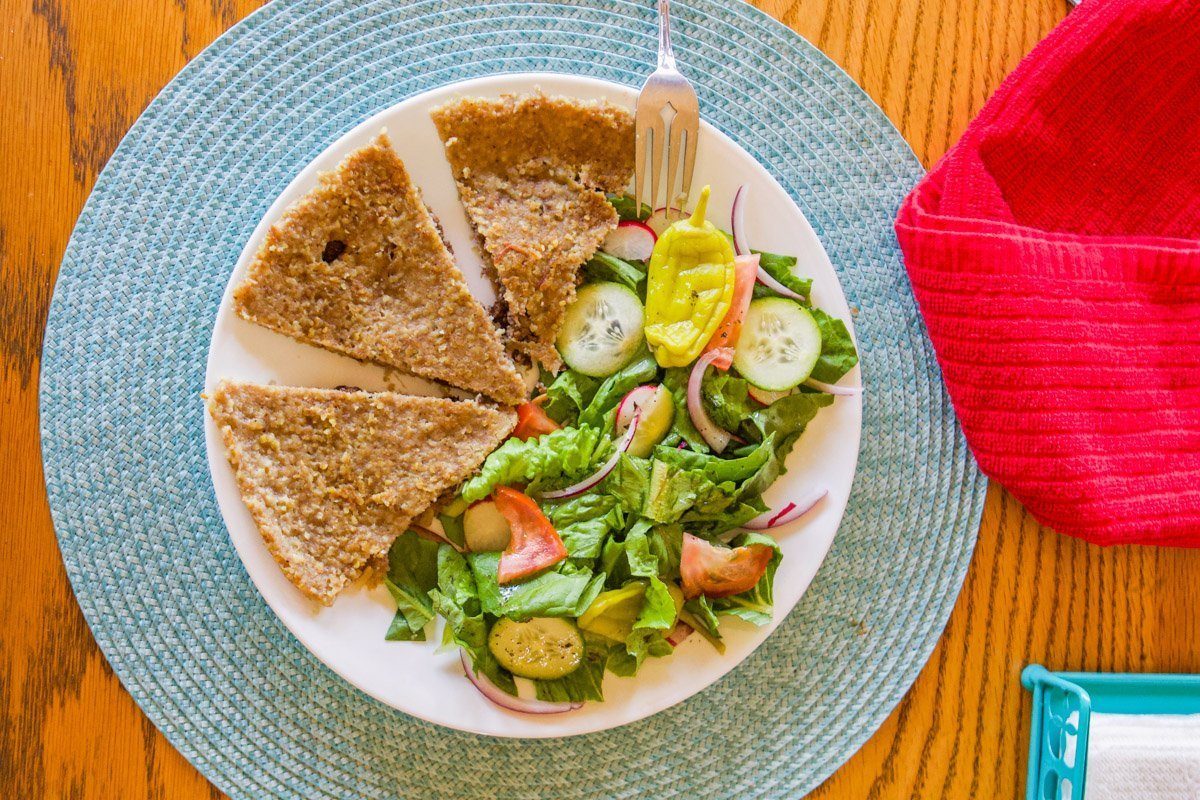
152	566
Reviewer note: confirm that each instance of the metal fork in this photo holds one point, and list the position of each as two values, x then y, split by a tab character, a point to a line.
666	133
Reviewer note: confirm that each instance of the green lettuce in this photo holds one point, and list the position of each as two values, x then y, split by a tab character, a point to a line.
781	268
566	451
720	470
627	208
676	381
584	522
412	573
700	615
676	493
568	395
628	481
586	682
838	355
642	369
551	594
726	399
603	267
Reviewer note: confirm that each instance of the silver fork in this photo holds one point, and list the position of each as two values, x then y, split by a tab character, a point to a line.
665	133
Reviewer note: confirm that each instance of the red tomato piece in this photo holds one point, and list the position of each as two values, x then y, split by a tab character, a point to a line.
715	571
745	273
534	545
532	422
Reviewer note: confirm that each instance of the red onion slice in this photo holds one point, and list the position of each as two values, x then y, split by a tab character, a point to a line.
829	388
505	700
681	632
602	473
737	222
790	512
717	438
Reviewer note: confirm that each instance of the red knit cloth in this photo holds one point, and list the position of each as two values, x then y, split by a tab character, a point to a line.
1055	254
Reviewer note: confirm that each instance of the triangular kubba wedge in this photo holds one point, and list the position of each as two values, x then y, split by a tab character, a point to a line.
532	171
358	266
332	477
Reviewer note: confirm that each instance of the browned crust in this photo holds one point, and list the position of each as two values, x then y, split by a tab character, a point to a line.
392	295
531	171
332	477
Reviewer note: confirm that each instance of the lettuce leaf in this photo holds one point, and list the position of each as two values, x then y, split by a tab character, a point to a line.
718	469
838	355
412	573
603	267
642	369
556	593
566	451
584	522
700	615
628	481
781	268
627	207
726	399
568	395
674	493
586	682
676	381
787	418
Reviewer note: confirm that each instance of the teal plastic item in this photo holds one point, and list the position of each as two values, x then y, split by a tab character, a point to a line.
1063	703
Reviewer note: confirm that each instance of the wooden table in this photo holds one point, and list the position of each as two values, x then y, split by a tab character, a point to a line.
76	73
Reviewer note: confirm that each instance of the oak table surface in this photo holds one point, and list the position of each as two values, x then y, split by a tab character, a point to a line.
75	74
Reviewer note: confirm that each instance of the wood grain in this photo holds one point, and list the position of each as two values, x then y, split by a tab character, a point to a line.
75	75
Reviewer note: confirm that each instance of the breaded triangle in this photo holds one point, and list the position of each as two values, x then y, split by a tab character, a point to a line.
532	171
358	266
332	477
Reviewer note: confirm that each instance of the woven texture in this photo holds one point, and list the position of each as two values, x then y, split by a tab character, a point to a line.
145	548
1056	254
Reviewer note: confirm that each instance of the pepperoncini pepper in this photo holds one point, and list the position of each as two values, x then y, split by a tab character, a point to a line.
689	289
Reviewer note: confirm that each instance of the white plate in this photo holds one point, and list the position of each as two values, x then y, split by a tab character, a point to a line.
412	676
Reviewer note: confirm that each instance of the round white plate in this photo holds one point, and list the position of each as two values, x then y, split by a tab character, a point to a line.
413	676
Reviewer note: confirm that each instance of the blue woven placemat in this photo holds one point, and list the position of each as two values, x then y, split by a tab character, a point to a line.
144	545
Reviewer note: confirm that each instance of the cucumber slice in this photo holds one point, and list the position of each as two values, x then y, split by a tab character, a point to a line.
485	528
602	329
779	345
542	648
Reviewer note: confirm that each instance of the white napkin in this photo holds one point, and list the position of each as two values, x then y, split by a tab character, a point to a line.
1143	757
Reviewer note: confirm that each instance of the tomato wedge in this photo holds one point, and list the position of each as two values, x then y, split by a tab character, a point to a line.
715	571
534	544
532	422
745	273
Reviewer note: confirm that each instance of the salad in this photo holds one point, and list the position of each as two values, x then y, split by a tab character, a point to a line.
625	512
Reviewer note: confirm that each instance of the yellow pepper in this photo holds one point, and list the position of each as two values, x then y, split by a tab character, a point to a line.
689	289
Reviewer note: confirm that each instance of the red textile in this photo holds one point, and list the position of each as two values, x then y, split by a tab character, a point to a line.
1055	254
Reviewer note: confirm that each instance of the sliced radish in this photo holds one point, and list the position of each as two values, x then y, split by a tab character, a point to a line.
630	240
485	528
717	438
661	219
829	388
602	473
790	512
505	700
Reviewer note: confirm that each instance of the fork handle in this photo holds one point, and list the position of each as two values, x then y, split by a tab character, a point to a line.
666	56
